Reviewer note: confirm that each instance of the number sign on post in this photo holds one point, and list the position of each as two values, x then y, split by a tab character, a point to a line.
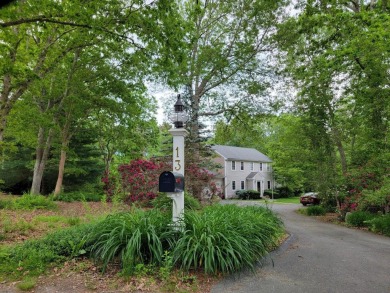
178	149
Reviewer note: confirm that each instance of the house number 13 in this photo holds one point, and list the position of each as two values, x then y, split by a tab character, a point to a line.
178	166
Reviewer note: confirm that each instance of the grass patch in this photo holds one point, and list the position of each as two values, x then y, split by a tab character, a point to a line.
5	203
79	196
27	284
33	257
216	239
287	200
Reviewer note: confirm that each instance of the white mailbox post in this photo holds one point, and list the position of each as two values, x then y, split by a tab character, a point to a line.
178	117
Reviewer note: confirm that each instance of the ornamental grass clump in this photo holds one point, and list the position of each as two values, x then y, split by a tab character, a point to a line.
226	238
132	238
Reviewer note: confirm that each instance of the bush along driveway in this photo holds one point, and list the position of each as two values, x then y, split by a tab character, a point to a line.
318	257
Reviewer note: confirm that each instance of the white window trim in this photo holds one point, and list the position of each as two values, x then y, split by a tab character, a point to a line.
242	166
252	166
261	167
242	185
233	165
233	185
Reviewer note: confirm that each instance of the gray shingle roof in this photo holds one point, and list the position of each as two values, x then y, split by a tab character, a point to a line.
251	175
241	154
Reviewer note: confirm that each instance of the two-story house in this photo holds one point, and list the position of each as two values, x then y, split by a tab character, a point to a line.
242	168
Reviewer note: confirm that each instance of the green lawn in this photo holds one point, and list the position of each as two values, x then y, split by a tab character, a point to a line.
287	200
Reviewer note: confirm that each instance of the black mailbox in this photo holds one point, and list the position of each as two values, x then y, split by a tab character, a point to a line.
171	182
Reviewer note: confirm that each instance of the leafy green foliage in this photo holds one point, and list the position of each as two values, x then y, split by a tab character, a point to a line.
31	202
27	284
380	224
359	218
135	238
33	257
163	202
5	203
79	196
248	194
315	211
336	54
378	198
226	238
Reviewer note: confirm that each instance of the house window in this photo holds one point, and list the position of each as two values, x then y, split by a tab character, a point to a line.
233	165
268	167
242	185
252	166
261	167
233	185
242	166
269	184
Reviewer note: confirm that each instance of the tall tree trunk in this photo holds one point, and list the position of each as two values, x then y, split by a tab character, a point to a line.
61	168
66	135
42	154
340	148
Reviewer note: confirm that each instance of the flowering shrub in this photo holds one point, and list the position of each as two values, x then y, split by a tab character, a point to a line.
215	190
348	205
139	180
197	179
357	183
109	186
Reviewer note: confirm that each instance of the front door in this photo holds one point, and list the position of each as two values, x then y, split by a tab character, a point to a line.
258	186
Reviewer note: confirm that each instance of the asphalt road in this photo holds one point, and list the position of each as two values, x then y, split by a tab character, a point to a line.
317	257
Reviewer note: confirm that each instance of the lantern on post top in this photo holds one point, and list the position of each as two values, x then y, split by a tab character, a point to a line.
178	117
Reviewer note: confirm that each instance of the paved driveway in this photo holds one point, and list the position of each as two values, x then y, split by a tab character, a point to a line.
318	257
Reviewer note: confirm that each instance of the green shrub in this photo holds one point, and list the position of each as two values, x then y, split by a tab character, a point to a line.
248	194
163	202
31	202
284	192
359	218
226	238
271	193
217	239
380	224
328	202
136	238
315	211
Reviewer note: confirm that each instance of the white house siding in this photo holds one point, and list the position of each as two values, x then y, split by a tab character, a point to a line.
256	181
262	177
